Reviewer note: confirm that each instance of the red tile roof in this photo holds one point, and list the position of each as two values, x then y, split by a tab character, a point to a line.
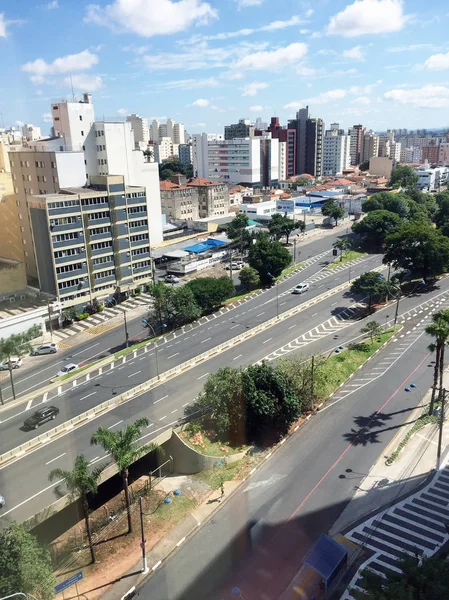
166	186
200	182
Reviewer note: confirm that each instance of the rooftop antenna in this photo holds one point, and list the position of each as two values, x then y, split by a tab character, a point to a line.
71	85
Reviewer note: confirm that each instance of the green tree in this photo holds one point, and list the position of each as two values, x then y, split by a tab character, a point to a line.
249	277
333	210
364	166
170	168
421	578
124	448
417	247
280	226
395	203
268	258
25	566
299	182
375	227
239	234
80	482
371	284
301	372
439	329
403	176
373	329
17	345
341	244
211	292
172	306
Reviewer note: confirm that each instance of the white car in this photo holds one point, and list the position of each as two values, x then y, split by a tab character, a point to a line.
301	288
45	349
67	369
235	266
2	502
15	364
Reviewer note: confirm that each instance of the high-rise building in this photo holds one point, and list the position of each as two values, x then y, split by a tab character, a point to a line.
282	161
91	241
299	124
164	149
356	133
384	146
289	137
370	146
259	124
154	130
443	154
178	136
309	142
213	197
200	152
430	154
185	154
395	151
242	129
336	156
179	201
31	132
72	121
140	130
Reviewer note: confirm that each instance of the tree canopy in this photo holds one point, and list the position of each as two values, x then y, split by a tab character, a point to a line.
417	247
237	232
333	210
364	166
403	176
169	168
375	227
371	284
249	277
172	306
268	258
395	203
280	226
209	293
25	566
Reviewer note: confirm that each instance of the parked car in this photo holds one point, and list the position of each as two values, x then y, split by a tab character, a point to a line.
15	364
171	279
301	288
41	416
67	369
2	502
235	266
45	349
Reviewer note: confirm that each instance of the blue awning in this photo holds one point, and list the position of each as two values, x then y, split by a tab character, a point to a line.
209	244
326	556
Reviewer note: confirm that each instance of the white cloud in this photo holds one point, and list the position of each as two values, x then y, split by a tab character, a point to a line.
20	123
139	50
361	100
83	82
305	71
246	3
257	108
354	53
122	112
276	25
329	96
2	25
201	103
38	92
437	62
148	18
38	69
52	5
368	17
47	118
429	96
272	59
409	48
327	52
234	76
336	95
190	84
251	89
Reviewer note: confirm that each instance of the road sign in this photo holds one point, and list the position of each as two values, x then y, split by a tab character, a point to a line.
68	582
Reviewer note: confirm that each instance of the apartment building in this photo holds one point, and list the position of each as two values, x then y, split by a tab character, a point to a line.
443	154
31	132
170	129
91	241
287	136
309	142
213	197
336	157
185	154
72	121
200	150
395	151
179	201
370	146
165	149
356	134
430	154
140	130
242	129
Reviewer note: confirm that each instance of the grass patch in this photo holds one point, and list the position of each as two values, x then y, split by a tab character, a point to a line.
347	257
174	512
240	296
335	370
289	270
423	420
236	470
203	443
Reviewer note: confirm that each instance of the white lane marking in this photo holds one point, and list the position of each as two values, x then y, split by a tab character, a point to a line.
136	373
334	304
44	397
32	497
234	326
201	376
260	314
160	399
206	340
93	346
173	411
150	425
186	404
194	334
291	327
283	303
181	541
239	356
56	458
164	417
29	403
159	562
88	395
267	340
93	460
172	355
143	358
314	315
115	424
121	367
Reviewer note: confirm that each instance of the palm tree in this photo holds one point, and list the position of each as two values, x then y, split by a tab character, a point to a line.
439	329
17	345
372	328
124	448
80	481
341	244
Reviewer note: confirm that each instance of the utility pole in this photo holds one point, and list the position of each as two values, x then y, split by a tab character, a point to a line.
440	433
396	312
294	250
142	533
126	329
50	324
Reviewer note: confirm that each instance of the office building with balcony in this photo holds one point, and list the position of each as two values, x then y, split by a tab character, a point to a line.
91	241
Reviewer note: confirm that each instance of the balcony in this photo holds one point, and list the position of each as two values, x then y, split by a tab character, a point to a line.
140	229
105	279
104	265
68	243
66	211
142	256
63	260
140	270
95	206
74	289
140	215
139	243
101	251
100	237
71	274
66	227
136	201
101	221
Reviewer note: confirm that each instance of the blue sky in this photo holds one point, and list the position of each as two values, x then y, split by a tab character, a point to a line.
383	63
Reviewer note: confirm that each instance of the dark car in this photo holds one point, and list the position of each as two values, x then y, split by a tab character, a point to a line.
41	416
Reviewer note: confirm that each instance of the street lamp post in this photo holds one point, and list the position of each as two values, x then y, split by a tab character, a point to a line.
440	432
148	324
145	568
126	330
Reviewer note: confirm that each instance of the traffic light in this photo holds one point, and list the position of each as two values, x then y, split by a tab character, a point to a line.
334	252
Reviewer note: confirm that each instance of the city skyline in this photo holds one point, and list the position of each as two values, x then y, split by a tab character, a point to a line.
378	62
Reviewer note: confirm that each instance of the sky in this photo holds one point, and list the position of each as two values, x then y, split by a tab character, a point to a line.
382	63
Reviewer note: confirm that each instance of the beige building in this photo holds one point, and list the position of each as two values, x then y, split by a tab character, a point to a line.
381	166
370	146
12	277
179	201
213	197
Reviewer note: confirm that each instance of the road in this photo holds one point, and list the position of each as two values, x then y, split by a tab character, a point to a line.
164	406
41	369
257	540
134	370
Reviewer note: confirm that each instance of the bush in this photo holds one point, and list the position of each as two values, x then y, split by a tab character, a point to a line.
211	292
137	291
82	316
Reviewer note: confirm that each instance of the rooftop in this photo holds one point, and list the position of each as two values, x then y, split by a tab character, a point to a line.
201	182
167	186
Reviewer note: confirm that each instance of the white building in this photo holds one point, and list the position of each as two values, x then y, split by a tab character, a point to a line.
165	148
443	154
411	155
31	132
200	152
179	136
154	130
336	155
72	121
370	146
431	179
282	161
140	129
395	151
262	211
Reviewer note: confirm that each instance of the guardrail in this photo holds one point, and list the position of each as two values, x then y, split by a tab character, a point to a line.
108	405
